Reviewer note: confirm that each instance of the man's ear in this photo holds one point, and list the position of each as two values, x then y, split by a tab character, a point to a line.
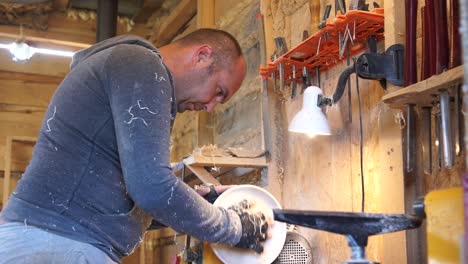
203	56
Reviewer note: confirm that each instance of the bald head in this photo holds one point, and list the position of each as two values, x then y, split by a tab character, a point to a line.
207	67
226	49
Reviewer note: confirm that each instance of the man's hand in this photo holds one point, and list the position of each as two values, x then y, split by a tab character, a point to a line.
254	226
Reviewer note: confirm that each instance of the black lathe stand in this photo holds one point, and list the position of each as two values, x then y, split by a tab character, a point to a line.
357	227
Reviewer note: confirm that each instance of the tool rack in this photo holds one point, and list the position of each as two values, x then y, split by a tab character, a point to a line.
326	47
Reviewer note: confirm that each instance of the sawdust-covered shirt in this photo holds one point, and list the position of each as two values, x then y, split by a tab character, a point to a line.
100	170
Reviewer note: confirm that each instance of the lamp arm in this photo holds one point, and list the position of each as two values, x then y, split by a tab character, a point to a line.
340	87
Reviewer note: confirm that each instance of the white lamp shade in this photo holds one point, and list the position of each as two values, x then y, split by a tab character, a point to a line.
310	120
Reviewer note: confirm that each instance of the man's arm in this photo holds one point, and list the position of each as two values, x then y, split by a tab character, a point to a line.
205	192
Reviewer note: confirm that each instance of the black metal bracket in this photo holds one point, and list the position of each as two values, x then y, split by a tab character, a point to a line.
387	66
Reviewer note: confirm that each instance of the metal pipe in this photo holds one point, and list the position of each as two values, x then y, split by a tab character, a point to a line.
410	138
438	141
464	34
427	140
446	128
106	19
457	122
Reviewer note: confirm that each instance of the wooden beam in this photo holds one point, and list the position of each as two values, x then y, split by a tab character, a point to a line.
263	30
7	175
276	112
206	13
203	175
391	178
75	34
265	8
39	64
61	4
205	19
172	25
27	78
20	92
394	22
149	7
27	89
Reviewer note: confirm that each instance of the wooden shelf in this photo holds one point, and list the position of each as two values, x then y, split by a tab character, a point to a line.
424	93
200	160
195	164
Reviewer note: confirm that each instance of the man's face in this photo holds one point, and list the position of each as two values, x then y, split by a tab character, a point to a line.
205	89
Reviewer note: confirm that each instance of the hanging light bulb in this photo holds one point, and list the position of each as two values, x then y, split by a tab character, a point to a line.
21	51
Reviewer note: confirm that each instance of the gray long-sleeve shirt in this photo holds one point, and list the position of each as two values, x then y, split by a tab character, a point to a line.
100	169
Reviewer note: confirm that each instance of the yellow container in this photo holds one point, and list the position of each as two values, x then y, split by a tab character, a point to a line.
445	225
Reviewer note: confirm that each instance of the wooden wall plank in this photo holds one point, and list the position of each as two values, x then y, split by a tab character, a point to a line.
265	9
23	103
205	19
19	124
7	181
26	93
7	174
275	113
391	143
184	135
206	13
35	78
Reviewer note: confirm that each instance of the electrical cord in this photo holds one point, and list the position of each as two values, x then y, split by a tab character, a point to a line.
361	144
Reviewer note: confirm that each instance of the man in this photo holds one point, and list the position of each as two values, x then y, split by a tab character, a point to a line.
100	171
